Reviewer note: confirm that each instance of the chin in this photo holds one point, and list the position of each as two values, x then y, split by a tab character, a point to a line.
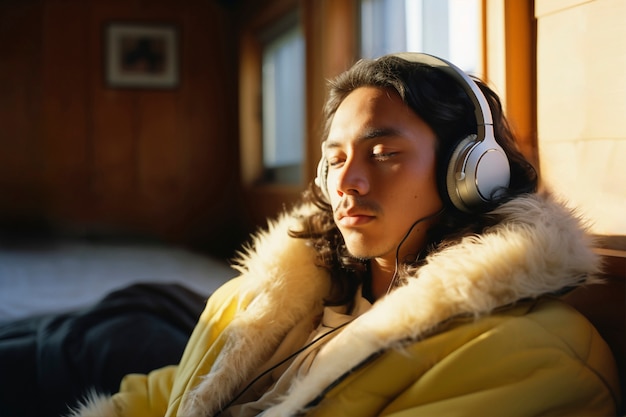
361	257
358	253
364	249
361	252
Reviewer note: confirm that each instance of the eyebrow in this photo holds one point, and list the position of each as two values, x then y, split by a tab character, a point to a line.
368	134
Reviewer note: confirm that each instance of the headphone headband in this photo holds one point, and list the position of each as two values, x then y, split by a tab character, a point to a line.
482	111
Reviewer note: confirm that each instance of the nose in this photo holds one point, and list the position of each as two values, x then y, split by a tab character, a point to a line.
352	179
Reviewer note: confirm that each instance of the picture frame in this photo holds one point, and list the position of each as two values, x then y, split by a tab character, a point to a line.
140	55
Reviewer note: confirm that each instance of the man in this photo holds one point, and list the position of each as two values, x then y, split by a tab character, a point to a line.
417	277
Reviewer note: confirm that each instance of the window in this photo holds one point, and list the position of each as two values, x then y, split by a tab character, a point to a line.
283	108
449	29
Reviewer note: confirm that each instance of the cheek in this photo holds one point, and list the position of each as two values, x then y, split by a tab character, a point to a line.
423	192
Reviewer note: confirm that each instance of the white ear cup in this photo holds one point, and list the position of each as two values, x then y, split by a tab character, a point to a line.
322	174
478	171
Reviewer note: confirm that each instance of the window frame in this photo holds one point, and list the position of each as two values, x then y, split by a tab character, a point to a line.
291	173
330	30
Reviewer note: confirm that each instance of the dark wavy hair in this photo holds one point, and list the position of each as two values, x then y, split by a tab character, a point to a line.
444	105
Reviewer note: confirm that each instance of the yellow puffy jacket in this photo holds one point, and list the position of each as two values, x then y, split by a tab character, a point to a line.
473	332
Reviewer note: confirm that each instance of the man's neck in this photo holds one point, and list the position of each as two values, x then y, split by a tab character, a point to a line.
383	268
382	272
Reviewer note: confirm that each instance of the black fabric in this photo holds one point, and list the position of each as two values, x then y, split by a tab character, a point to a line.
50	362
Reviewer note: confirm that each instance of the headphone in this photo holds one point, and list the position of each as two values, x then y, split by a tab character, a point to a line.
477	170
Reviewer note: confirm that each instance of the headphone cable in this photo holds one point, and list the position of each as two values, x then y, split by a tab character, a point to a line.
397	265
262	374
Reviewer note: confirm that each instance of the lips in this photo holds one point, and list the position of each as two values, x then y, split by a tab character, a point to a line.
353	217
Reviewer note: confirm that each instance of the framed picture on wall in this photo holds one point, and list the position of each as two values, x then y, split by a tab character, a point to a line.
140	55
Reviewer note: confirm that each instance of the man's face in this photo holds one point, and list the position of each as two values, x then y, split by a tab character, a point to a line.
381	176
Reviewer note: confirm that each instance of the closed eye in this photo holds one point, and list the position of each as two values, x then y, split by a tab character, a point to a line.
382	153
383	156
334	162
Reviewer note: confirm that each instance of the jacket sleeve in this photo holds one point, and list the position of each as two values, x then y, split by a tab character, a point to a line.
550	361
145	395
206	341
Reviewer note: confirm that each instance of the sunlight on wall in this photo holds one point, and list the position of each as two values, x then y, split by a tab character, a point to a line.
581	84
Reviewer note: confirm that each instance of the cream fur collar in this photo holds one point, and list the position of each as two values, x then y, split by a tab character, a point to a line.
540	247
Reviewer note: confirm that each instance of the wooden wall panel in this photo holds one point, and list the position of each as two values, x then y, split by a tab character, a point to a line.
113	147
155	163
212	193
160	163
65	106
20	111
